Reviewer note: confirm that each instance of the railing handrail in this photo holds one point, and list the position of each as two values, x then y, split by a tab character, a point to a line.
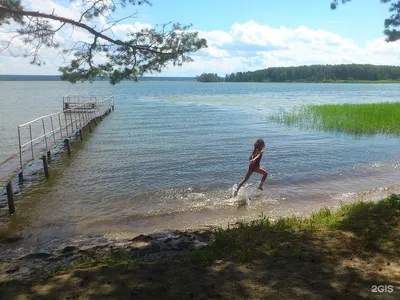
65	110
80	119
78	98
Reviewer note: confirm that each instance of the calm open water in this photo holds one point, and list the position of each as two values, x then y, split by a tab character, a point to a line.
170	153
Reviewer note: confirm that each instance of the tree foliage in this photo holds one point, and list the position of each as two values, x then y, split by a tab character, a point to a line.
318	73
391	23
145	51
208	77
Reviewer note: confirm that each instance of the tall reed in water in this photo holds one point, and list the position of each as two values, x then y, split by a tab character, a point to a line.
369	118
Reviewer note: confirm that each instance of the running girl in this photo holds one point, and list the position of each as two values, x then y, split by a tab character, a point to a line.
254	165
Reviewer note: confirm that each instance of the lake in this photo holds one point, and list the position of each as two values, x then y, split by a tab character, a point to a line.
170	153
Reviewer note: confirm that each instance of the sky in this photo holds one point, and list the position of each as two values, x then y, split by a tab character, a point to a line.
242	35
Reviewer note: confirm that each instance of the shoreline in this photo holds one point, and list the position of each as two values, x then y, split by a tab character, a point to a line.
202	234
329	243
23	242
146	247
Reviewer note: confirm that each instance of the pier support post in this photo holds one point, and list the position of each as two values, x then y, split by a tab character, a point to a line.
90	127
95	121
48	156
10	198
45	166
21	176
81	134
67	146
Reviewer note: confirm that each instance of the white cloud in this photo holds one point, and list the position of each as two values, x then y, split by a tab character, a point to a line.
67	37
247	46
213	51
216	37
251	46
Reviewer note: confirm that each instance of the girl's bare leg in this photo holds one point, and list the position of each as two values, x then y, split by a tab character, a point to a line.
264	172
249	172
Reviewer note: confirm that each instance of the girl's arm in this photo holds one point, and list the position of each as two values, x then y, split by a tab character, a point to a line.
252	154
257	156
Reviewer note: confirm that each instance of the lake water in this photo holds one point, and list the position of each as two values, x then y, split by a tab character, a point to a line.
170	153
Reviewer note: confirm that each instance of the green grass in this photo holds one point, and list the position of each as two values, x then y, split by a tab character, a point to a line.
368	221
373	118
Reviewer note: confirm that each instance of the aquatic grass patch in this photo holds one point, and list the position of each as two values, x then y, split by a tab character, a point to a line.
371	118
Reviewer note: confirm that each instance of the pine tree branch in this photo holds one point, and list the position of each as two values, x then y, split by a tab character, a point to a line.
89	29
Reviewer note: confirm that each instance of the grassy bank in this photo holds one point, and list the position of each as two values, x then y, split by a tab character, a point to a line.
369	118
330	255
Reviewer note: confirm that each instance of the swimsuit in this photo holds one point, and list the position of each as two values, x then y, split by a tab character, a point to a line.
256	163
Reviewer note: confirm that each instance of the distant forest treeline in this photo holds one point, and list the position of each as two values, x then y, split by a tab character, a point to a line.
318	73
209	77
315	73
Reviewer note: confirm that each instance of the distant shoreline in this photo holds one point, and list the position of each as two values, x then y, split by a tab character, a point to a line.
58	78
340	81
308	82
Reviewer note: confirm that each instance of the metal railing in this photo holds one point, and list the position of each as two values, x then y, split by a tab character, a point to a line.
72	101
42	133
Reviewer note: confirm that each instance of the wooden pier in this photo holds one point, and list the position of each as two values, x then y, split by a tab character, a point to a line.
39	136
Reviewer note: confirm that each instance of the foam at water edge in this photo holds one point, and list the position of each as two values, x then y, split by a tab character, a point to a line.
234	188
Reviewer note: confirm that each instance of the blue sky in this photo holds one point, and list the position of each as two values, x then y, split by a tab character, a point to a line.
360	20
246	35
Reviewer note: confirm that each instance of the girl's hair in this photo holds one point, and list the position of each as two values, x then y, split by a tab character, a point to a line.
259	144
